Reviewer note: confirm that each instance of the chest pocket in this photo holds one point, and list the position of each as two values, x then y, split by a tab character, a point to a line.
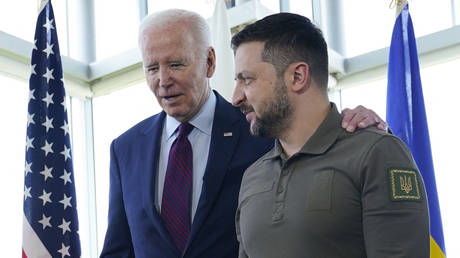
256	189
320	192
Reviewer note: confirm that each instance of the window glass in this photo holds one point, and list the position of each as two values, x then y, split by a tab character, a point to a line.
456	11
60	16
441	89
430	17
76	118
114	114
204	7
301	7
371	95
368	25
23	26
116	26
12	157
272	5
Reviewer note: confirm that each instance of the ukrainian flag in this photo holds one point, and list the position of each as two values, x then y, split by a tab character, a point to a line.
406	114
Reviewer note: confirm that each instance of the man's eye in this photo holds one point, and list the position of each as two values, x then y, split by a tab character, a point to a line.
246	80
152	69
174	65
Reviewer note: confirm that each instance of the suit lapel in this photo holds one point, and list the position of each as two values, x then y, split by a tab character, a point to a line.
223	140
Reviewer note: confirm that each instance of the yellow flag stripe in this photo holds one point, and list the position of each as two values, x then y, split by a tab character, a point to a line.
435	251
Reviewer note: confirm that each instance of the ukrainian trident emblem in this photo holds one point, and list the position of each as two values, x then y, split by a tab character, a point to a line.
405	183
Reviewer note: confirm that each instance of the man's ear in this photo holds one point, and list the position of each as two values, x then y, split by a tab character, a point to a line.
300	76
210	62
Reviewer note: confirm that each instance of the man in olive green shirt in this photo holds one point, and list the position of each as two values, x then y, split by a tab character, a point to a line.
320	192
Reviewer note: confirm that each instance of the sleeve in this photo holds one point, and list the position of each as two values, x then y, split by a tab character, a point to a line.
395	209
117	241
242	252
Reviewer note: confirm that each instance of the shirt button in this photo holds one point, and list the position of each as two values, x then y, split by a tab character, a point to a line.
277	217
284	172
279	207
280	189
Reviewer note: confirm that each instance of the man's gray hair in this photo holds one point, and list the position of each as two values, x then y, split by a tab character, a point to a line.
195	22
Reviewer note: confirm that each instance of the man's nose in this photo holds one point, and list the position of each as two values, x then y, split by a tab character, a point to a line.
165	76
238	96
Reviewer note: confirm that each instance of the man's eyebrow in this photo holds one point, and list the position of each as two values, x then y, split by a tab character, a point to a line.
239	76
151	64
243	74
179	60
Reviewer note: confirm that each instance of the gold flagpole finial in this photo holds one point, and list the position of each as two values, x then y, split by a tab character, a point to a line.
394	3
398	4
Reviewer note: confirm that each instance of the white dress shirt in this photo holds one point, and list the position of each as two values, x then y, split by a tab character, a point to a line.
200	139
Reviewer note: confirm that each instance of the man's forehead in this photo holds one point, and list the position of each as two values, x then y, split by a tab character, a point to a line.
252	45
248	53
158	41
253	49
164	56
155	35
177	31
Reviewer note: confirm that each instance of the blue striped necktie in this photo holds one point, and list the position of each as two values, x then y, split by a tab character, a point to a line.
177	191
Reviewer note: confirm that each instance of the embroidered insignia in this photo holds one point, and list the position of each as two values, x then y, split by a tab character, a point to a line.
404	184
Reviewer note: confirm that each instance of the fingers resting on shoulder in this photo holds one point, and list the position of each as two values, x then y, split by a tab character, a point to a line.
361	117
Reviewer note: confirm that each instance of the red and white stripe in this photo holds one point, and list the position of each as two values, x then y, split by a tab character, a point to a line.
32	247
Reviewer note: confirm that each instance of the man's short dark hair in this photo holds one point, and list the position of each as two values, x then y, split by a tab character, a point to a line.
288	38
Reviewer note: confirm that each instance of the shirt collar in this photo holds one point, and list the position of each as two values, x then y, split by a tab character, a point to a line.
201	121
321	140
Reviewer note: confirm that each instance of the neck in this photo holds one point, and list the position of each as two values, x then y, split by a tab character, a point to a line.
305	121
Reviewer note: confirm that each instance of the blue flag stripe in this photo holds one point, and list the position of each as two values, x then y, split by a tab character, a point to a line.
406	111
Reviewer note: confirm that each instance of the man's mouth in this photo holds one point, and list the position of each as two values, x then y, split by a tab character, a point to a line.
246	109
171	97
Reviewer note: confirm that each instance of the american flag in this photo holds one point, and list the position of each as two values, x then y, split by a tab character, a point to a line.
50	223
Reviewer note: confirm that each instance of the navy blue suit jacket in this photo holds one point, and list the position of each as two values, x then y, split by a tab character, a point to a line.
134	225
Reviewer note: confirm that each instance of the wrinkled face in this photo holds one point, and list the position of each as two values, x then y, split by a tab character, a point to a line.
177	70
259	93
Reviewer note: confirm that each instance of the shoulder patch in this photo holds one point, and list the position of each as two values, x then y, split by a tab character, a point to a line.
404	184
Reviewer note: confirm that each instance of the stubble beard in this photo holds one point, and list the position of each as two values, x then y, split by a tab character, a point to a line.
274	120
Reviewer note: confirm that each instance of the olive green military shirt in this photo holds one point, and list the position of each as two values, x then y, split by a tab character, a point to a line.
342	195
